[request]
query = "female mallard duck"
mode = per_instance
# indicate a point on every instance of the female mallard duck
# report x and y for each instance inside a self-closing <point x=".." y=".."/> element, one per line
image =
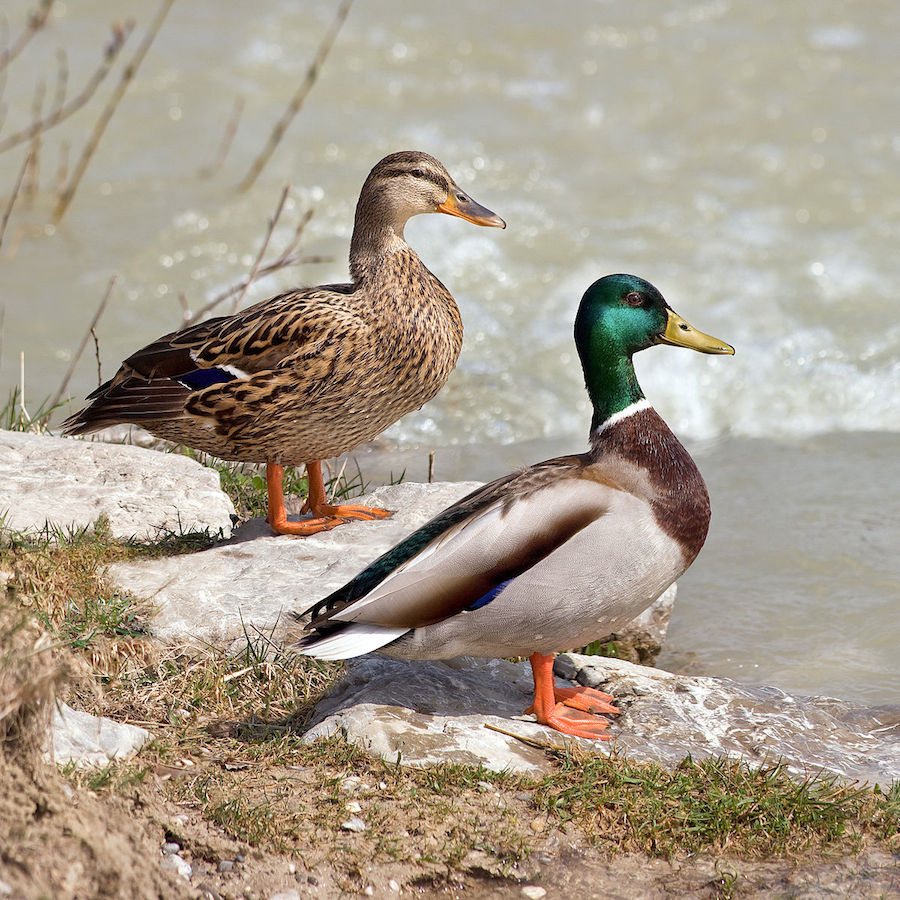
<point x="311" y="373"/>
<point x="554" y="556"/>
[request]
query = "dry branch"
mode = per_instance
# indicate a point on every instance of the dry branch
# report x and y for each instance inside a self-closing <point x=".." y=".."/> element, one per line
<point x="70" y="371"/>
<point x="65" y="198"/>
<point x="15" y="193"/>
<point x="312" y="74"/>
<point x="227" y="139"/>
<point x="63" y="111"/>
<point x="36" y="21"/>
<point x="288" y="257"/>
<point x="262" y="250"/>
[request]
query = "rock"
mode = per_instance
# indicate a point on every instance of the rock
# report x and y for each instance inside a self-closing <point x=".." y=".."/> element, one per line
<point x="170" y="847"/>
<point x="289" y="894"/>
<point x="142" y="493"/>
<point x="533" y="892"/>
<point x="177" y="864"/>
<point x="88" y="740"/>
<point x="424" y="713"/>
<point x="427" y="713"/>
<point x="225" y="865"/>
<point x="355" y="824"/>
<point x="256" y="578"/>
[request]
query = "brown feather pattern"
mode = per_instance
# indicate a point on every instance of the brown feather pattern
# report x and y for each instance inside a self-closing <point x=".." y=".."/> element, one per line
<point x="327" y="367"/>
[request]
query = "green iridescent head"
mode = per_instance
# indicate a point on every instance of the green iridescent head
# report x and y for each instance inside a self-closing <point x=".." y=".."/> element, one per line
<point x="618" y="316"/>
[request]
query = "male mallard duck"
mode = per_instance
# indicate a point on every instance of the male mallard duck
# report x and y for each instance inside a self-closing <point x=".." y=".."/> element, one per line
<point x="311" y="373"/>
<point x="558" y="554"/>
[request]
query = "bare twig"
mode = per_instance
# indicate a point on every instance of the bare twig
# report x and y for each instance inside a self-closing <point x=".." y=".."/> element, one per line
<point x="430" y="466"/>
<point x="336" y="482"/>
<point x="97" y="356"/>
<point x="62" y="80"/>
<point x="128" y="73"/>
<point x="36" y="22"/>
<point x="231" y="128"/>
<point x="287" y="258"/>
<point x="15" y="193"/>
<point x="62" y="111"/>
<point x="22" y="410"/>
<point x="262" y="250"/>
<point x="70" y="371"/>
<point x="312" y="74"/>
<point x="62" y="167"/>
<point x="32" y="175"/>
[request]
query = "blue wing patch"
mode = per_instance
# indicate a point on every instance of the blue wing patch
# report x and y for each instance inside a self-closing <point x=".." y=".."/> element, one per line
<point x="490" y="595"/>
<point x="203" y="378"/>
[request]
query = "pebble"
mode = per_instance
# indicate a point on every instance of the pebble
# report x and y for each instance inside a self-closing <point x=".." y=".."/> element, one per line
<point x="484" y="786"/>
<point x="533" y="892"/>
<point x="354" y="807"/>
<point x="225" y="865"/>
<point x="394" y="886"/>
<point x="170" y="847"/>
<point x="286" y="895"/>
<point x="175" y="863"/>
<point x="239" y="857"/>
<point x="355" y="824"/>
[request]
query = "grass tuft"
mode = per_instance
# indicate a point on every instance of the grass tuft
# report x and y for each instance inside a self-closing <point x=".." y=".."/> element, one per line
<point x="713" y="805"/>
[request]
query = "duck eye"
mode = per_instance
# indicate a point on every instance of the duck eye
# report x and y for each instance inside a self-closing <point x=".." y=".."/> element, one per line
<point x="417" y="173"/>
<point x="635" y="298"/>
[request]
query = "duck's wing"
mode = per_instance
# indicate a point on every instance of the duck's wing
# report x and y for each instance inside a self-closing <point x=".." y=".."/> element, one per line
<point x="462" y="558"/>
<point x="197" y="362"/>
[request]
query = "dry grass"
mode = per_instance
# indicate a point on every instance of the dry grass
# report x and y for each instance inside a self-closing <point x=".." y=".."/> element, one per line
<point x="30" y="672"/>
<point x="228" y="748"/>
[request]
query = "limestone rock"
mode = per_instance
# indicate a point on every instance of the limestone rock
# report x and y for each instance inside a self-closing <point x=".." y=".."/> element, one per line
<point x="87" y="740"/>
<point x="428" y="712"/>
<point x="256" y="578"/>
<point x="73" y="482"/>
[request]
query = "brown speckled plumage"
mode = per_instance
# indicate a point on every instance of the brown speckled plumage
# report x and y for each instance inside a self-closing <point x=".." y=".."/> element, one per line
<point x="319" y="369"/>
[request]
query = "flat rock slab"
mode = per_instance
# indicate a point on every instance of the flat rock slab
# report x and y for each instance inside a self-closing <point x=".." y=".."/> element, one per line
<point x="71" y="483"/>
<point x="87" y="740"/>
<point x="252" y="581"/>
<point x="431" y="712"/>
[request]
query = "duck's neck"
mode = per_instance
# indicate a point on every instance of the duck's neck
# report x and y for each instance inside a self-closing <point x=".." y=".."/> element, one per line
<point x="376" y="232"/>
<point x="613" y="388"/>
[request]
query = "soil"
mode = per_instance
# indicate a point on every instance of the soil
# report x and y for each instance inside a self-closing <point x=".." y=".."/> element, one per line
<point x="60" y="841"/>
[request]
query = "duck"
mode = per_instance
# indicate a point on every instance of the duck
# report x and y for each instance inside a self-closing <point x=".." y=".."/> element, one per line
<point x="553" y="556"/>
<point x="311" y="373"/>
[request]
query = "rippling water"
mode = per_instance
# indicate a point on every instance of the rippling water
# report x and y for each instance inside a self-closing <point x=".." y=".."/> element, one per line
<point x="743" y="156"/>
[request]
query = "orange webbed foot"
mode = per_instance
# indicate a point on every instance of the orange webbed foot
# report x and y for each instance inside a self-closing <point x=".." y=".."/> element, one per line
<point x="306" y="527"/>
<point x="586" y="699"/>
<point x="345" y="511"/>
<point x="592" y="727"/>
<point x="552" y="704"/>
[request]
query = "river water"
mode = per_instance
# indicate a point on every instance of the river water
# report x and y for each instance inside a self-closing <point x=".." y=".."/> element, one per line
<point x="744" y="156"/>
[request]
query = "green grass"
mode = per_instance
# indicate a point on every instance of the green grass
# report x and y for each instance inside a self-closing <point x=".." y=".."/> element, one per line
<point x="245" y="483"/>
<point x="713" y="805"/>
<point x="15" y="417"/>
<point x="59" y="575"/>
<point x="228" y="738"/>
